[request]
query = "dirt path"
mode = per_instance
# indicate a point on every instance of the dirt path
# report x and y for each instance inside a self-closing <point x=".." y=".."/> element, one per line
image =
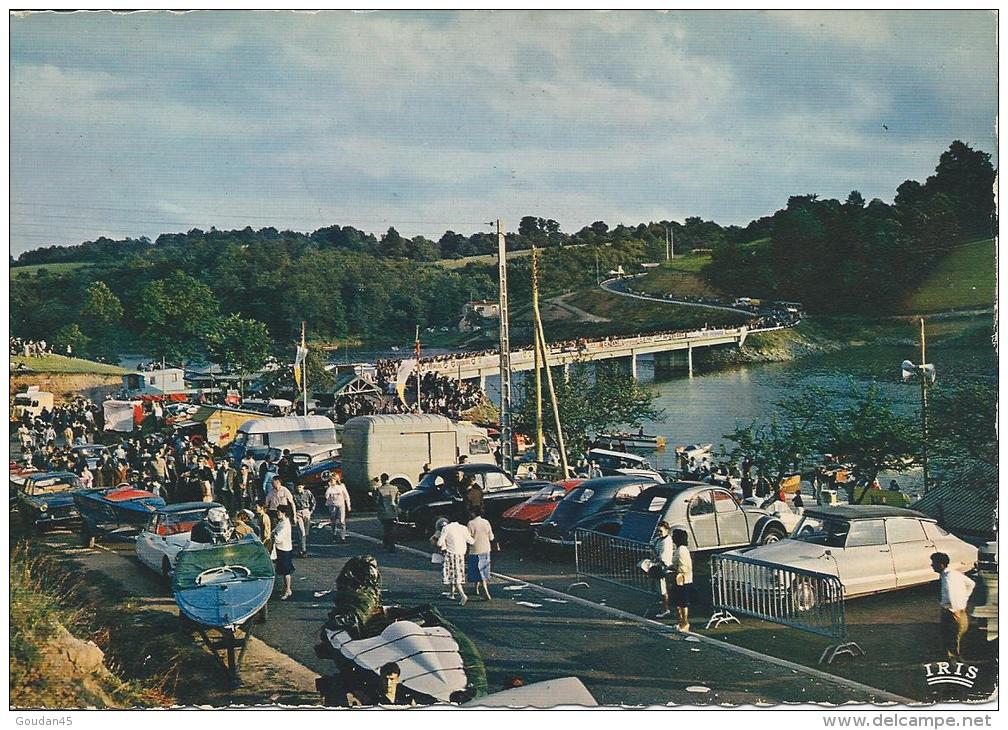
<point x="582" y="316"/>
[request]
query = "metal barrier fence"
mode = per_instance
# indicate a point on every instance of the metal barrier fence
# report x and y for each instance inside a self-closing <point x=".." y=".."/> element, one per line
<point x="795" y="597"/>
<point x="612" y="559"/>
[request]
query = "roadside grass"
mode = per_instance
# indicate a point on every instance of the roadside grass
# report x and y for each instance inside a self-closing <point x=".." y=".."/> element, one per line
<point x="43" y="596"/>
<point x="964" y="279"/>
<point x="668" y="280"/>
<point x="151" y="654"/>
<point x="58" y="268"/>
<point x="690" y="263"/>
<point x="63" y="364"/>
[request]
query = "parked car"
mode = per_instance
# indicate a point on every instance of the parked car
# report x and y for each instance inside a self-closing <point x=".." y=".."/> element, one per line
<point x="313" y="475"/>
<point x="595" y="504"/>
<point x="522" y="519"/>
<point x="712" y="517"/>
<point x="167" y="533"/>
<point x="437" y="494"/>
<point x="92" y="453"/>
<point x="870" y="548"/>
<point x="47" y="498"/>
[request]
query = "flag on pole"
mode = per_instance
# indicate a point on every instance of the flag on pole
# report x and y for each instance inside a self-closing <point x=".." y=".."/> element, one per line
<point x="406" y="368"/>
<point x="416" y="346"/>
<point x="299" y="358"/>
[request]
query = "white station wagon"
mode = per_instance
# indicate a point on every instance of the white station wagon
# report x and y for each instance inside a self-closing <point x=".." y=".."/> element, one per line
<point x="870" y="548"/>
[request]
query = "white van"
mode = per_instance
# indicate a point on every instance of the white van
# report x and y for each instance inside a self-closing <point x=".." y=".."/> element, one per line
<point x="257" y="436"/>
<point x="32" y="401"/>
<point x="400" y="445"/>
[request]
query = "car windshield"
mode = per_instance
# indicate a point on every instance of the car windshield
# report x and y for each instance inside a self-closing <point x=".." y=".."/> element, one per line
<point x="549" y="494"/>
<point x="177" y="523"/>
<point x="822" y="531"/>
<point x="581" y="495"/>
<point x="52" y="486"/>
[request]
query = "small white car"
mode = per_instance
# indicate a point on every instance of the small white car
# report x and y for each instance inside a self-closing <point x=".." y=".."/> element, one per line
<point x="870" y="548"/>
<point x="167" y="532"/>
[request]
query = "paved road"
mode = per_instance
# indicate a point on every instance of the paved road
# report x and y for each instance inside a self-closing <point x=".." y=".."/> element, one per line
<point x="618" y="286"/>
<point x="622" y="661"/>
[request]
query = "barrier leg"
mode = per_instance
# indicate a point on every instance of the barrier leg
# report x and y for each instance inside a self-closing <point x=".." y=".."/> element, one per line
<point x="850" y="648"/>
<point x="721" y="617"/>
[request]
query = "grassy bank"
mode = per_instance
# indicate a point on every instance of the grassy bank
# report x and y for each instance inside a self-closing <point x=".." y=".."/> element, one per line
<point x="63" y="365"/>
<point x="51" y="606"/>
<point x="964" y="279"/>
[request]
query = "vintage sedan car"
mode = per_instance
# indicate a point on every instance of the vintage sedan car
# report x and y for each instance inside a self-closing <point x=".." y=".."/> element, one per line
<point x="47" y="498"/>
<point x="712" y="517"/>
<point x="167" y="533"/>
<point x="522" y="519"/>
<point x="437" y="494"/>
<point x="596" y="504"/>
<point x="870" y="548"/>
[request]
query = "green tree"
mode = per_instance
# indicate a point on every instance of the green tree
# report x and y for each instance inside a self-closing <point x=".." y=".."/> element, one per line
<point x="588" y="404"/>
<point x="239" y="345"/>
<point x="867" y="432"/>
<point x="101" y="306"/>
<point x="963" y="425"/>
<point x="71" y="336"/>
<point x="787" y="442"/>
<point x="175" y="315"/>
<point x="101" y="320"/>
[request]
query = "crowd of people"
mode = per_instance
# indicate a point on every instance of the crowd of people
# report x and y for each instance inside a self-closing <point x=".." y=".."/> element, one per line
<point x="33" y="348"/>
<point x="767" y="315"/>
<point x="439" y="395"/>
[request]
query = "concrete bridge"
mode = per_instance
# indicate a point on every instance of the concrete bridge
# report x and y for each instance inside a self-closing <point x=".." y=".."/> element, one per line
<point x="465" y="367"/>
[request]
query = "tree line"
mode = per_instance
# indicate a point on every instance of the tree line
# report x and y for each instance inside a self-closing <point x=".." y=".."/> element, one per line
<point x="849" y="257"/>
<point x="168" y="297"/>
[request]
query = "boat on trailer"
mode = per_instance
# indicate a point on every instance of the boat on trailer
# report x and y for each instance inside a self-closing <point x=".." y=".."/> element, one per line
<point x="222" y="588"/>
<point x="119" y="510"/>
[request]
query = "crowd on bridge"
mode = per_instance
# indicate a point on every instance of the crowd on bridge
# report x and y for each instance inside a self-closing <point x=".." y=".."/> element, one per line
<point x="439" y="395"/>
<point x="767" y="314"/>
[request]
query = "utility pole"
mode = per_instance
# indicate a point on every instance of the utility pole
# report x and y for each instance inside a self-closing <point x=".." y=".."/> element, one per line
<point x="598" y="279"/>
<point x="924" y="407"/>
<point x="668" y="244"/>
<point x="538" y="355"/>
<point x="507" y="453"/>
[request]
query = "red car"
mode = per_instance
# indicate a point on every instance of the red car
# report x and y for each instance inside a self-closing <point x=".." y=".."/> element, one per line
<point x="523" y="518"/>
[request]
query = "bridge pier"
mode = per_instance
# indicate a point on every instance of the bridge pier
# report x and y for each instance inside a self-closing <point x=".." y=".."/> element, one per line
<point x="482" y="380"/>
<point x="689" y="358"/>
<point x="633" y="364"/>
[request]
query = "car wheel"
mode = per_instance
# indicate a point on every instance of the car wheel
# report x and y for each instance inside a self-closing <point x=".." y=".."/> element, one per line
<point x="771" y="534"/>
<point x="803" y="596"/>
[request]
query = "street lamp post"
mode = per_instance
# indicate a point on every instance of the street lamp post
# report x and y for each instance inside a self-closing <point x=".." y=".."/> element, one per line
<point x="925" y="372"/>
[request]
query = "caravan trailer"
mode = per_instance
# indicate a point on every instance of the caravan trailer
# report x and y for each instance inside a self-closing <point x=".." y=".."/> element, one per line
<point x="400" y="445"/>
<point x="258" y="436"/>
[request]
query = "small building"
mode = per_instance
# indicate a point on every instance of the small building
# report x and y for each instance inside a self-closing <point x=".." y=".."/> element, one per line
<point x="477" y="311"/>
<point x="155" y="382"/>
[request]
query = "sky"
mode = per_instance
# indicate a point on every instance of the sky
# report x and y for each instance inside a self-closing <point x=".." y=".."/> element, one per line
<point x="144" y="123"/>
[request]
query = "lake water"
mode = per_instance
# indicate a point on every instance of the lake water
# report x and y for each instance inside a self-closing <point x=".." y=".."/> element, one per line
<point x="712" y="403"/>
